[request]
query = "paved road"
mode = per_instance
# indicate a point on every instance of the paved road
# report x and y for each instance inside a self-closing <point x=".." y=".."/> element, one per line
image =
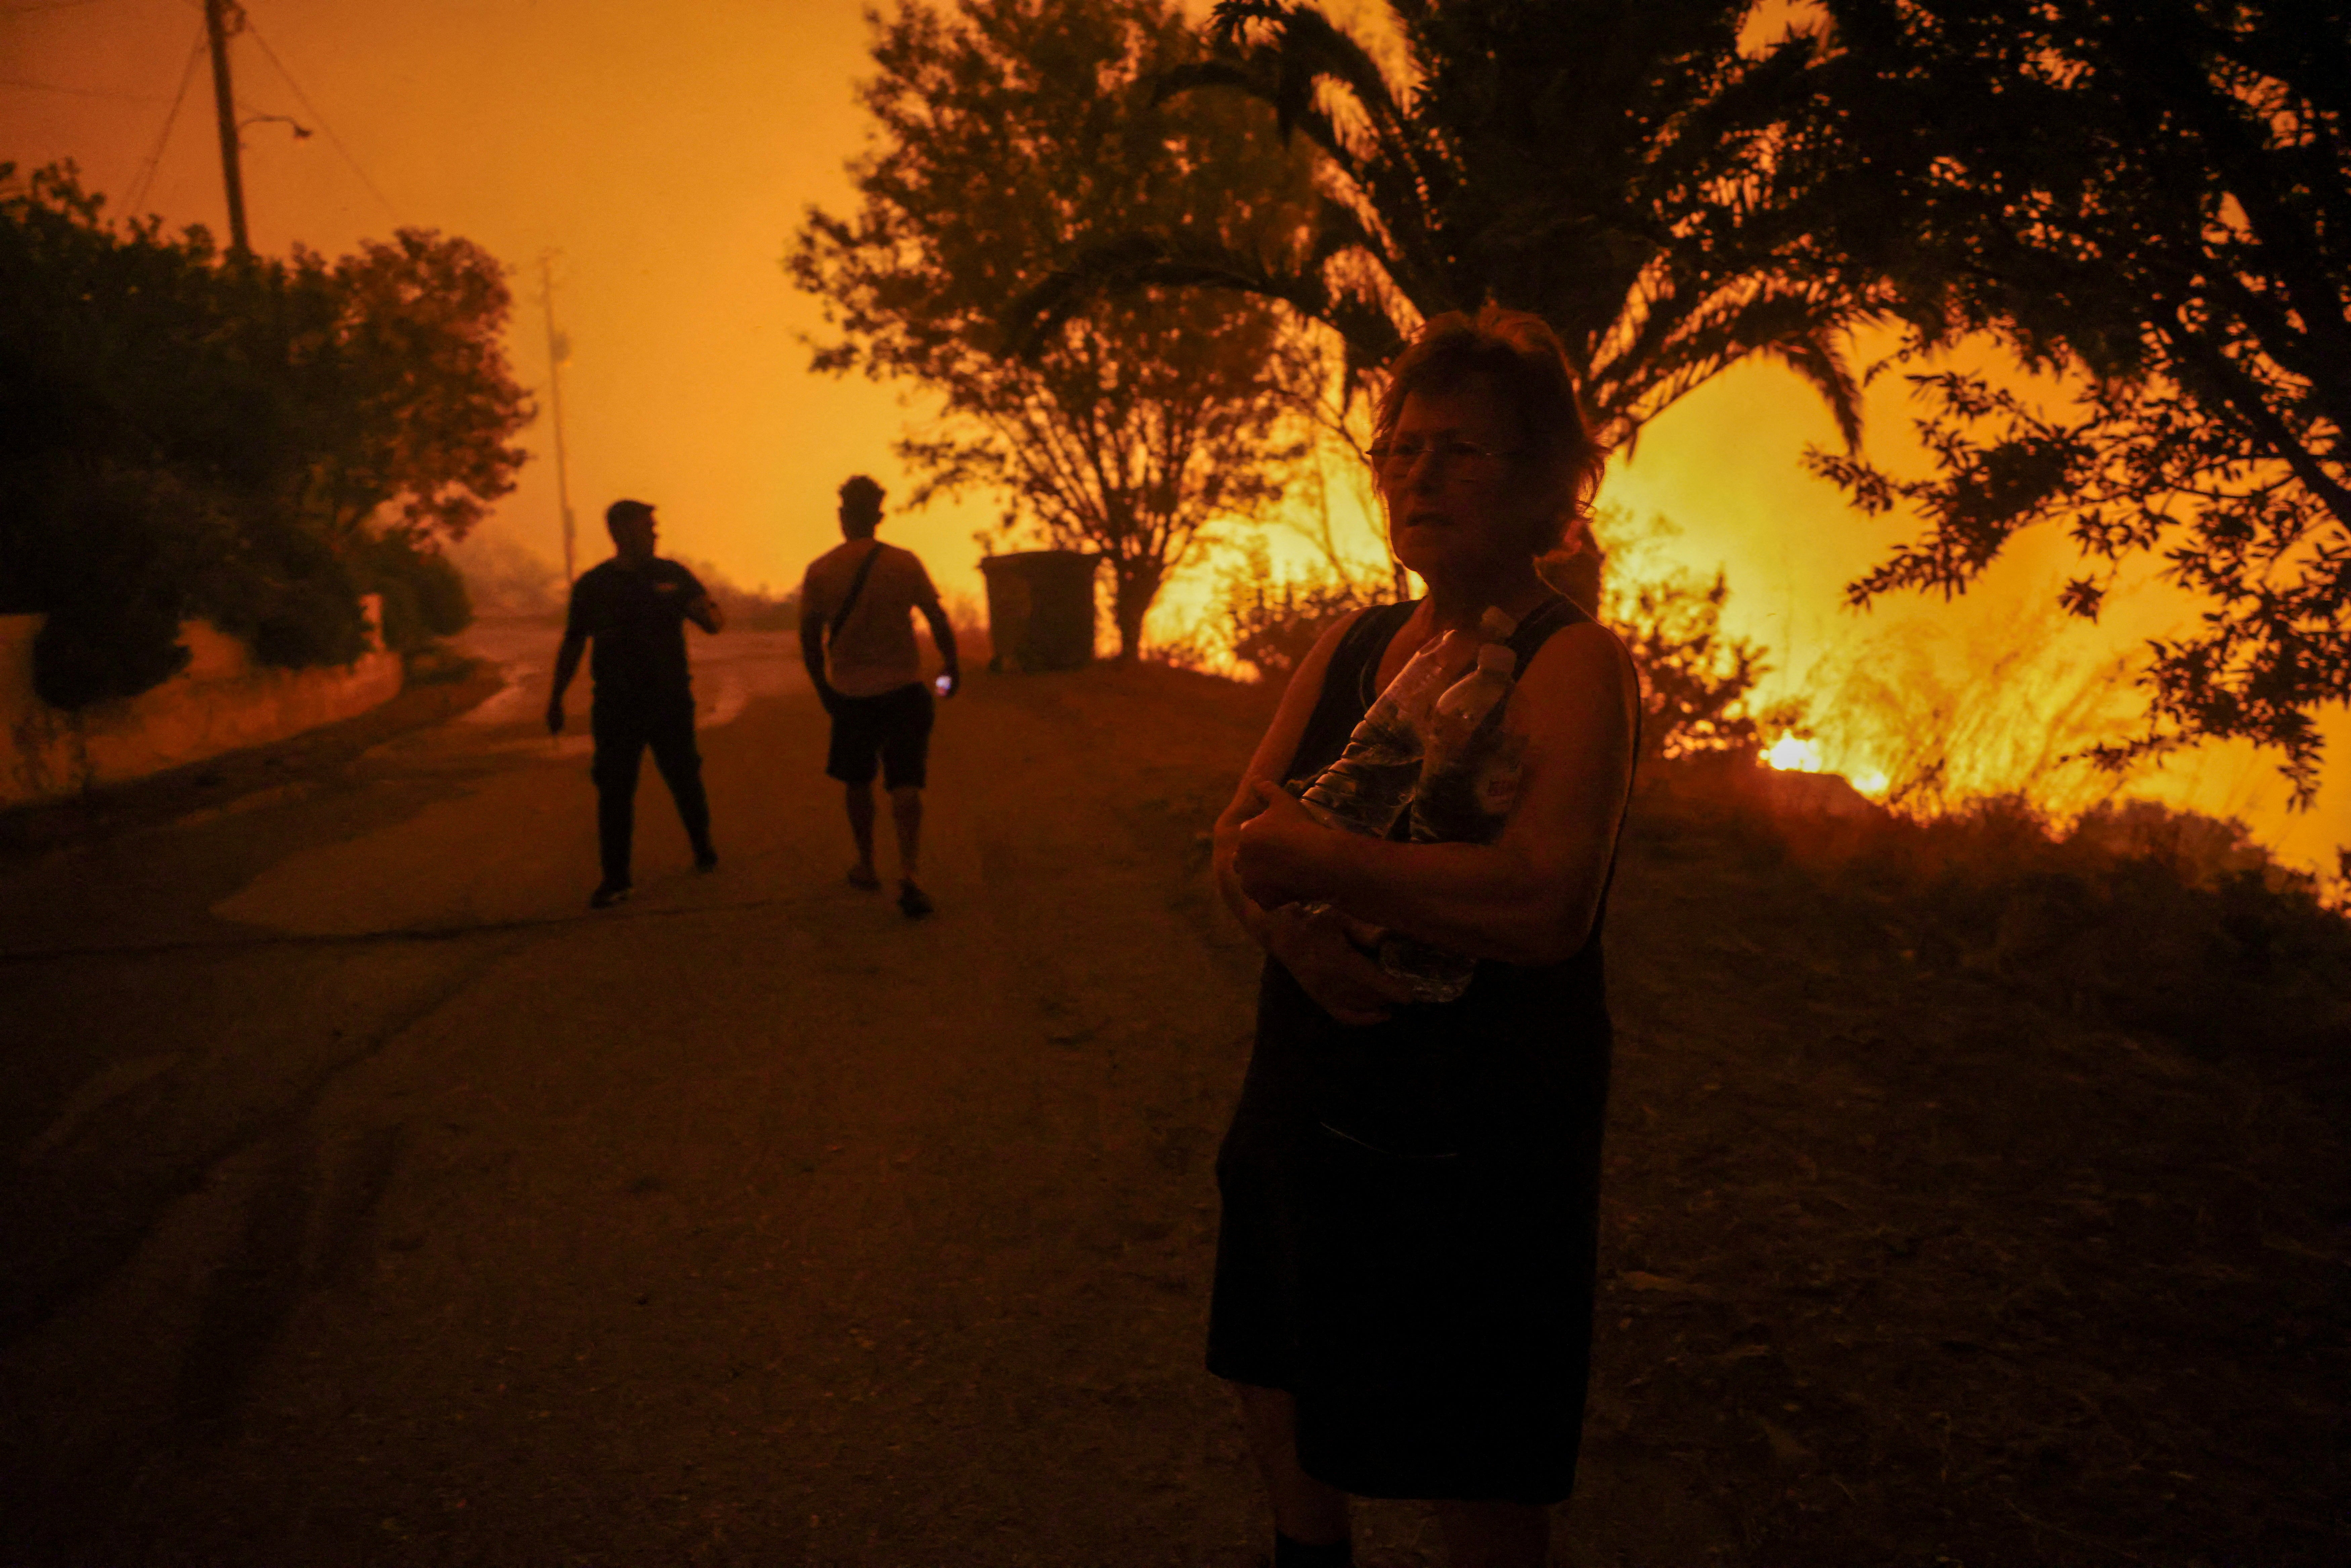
<point x="369" y="1199"/>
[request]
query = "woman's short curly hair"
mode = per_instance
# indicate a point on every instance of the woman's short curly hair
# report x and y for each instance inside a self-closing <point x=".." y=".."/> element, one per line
<point x="1520" y="357"/>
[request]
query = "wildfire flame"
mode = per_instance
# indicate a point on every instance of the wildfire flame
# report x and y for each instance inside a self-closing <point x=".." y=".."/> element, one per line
<point x="1796" y="754"/>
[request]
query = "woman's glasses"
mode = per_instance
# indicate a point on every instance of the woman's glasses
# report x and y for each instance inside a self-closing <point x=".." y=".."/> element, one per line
<point x="1451" y="453"/>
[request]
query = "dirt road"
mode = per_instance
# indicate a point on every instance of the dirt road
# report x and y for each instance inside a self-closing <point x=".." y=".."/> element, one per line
<point x="376" y="1202"/>
<point x="367" y="1199"/>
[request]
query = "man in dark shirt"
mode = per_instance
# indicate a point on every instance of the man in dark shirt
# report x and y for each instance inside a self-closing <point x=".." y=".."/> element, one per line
<point x="634" y="608"/>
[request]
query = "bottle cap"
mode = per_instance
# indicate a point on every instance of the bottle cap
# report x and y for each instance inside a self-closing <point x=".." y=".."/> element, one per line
<point x="1495" y="624"/>
<point x="1494" y="659"/>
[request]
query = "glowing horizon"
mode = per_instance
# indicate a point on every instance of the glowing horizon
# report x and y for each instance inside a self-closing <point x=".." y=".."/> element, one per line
<point x="669" y="166"/>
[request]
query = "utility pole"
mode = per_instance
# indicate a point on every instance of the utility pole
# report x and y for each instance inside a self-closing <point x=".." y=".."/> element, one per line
<point x="217" y="15"/>
<point x="559" y="351"/>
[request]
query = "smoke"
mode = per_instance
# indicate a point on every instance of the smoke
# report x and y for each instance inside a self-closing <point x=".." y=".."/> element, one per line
<point x="506" y="578"/>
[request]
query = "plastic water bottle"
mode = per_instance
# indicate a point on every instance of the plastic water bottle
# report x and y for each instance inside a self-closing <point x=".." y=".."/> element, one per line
<point x="1453" y="803"/>
<point x="1371" y="784"/>
<point x="1448" y="803"/>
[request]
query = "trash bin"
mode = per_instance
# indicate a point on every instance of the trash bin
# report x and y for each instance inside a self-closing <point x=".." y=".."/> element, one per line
<point x="1040" y="609"/>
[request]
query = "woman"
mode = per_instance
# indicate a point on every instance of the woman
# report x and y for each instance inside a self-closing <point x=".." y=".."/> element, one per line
<point x="1405" y="1264"/>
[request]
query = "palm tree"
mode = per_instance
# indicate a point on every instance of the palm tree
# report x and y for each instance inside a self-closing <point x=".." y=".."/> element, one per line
<point x="1618" y="167"/>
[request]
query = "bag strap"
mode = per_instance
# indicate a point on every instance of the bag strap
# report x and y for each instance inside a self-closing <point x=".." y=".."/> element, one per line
<point x="856" y="587"/>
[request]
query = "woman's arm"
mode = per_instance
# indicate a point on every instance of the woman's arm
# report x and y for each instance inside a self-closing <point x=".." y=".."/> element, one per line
<point x="1320" y="950"/>
<point x="1272" y="754"/>
<point x="1530" y="896"/>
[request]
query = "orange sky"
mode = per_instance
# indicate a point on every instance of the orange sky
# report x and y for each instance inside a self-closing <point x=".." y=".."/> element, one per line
<point x="668" y="153"/>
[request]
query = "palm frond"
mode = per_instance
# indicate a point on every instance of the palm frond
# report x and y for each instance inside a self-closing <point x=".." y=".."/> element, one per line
<point x="1140" y="260"/>
<point x="1678" y="334"/>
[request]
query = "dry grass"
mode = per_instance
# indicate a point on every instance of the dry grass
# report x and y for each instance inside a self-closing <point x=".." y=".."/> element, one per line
<point x="1975" y="1189"/>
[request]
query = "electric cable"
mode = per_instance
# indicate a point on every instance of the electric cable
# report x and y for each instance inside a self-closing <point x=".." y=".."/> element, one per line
<point x="324" y="128"/>
<point x="79" y="91"/>
<point x="144" y="180"/>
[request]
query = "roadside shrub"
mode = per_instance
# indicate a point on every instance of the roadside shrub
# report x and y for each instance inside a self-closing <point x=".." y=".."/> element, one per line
<point x="1272" y="624"/>
<point x="2166" y="924"/>
<point x="309" y="624"/>
<point x="505" y="577"/>
<point x="287" y="593"/>
<point x="425" y="596"/>
<point x="94" y="649"/>
<point x="124" y="549"/>
<point x="1697" y="682"/>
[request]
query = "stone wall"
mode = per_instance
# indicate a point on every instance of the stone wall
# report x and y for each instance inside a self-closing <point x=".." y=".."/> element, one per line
<point x="221" y="702"/>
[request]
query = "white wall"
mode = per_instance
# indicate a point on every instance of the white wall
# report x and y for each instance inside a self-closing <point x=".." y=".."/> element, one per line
<point x="221" y="702"/>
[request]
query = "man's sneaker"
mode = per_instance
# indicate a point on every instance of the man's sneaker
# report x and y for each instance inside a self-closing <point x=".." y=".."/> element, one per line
<point x="913" y="902"/>
<point x="862" y="878"/>
<point x="705" y="859"/>
<point x="607" y="894"/>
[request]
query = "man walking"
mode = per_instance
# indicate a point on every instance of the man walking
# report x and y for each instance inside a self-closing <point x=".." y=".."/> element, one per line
<point x="859" y="643"/>
<point x="634" y="607"/>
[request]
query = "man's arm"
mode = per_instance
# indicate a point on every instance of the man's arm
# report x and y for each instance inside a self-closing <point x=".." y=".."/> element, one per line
<point x="566" y="665"/>
<point x="813" y="615"/>
<point x="943" y="639"/>
<point x="700" y="608"/>
<point x="812" y="655"/>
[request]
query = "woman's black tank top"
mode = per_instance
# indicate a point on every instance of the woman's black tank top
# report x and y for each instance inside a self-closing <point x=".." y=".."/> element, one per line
<point x="1486" y="1072"/>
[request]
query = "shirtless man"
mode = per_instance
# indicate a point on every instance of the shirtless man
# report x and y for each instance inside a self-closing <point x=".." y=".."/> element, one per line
<point x="859" y="642"/>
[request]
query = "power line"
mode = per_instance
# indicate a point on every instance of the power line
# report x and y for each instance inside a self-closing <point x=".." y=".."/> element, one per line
<point x="144" y="180"/>
<point x="329" y="130"/>
<point x="77" y="92"/>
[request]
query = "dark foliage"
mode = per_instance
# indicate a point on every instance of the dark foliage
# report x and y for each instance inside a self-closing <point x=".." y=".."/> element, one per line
<point x="425" y="596"/>
<point x="1698" y="683"/>
<point x="1621" y="171"/>
<point x="102" y="648"/>
<point x="184" y="434"/>
<point x="2138" y="917"/>
<point x="1696" y="680"/>
<point x="2150" y="200"/>
<point x="1271" y="622"/>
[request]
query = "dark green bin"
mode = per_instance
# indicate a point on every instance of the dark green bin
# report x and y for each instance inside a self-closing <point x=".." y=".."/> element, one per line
<point x="1040" y="609"/>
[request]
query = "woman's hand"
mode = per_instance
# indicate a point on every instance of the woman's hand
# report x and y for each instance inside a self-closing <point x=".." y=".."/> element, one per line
<point x="1329" y="954"/>
<point x="1276" y="851"/>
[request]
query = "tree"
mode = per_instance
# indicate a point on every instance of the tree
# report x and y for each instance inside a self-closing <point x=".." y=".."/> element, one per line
<point x="255" y="440"/>
<point x="1619" y="169"/>
<point x="1008" y="129"/>
<point x="430" y="408"/>
<point x="2151" y="201"/>
<point x="1272" y="623"/>
<point x="1697" y="682"/>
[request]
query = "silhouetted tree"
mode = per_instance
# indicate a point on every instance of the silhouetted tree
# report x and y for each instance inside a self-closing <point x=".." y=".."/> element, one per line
<point x="255" y="440"/>
<point x="1008" y="131"/>
<point x="429" y="407"/>
<point x="2151" y="200"/>
<point x="1617" y="169"/>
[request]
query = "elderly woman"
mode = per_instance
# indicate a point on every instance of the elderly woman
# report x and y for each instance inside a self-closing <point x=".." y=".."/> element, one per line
<point x="1405" y="1264"/>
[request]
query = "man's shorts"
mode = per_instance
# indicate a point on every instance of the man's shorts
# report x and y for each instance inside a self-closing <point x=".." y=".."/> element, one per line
<point x="894" y="726"/>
